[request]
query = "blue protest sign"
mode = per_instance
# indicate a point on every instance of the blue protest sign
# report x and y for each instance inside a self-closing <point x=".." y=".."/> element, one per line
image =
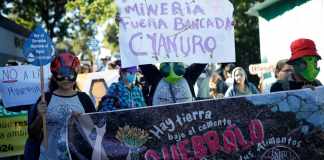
<point x="38" y="48"/>
<point x="93" y="44"/>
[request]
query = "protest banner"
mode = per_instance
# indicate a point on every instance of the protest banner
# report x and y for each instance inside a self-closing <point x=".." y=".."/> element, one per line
<point x="19" y="85"/>
<point x="96" y="83"/>
<point x="13" y="132"/>
<point x="283" y="125"/>
<point x="155" y="31"/>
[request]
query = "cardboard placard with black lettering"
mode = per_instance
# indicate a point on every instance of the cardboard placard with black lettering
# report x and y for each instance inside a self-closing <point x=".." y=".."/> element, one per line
<point x="285" y="125"/>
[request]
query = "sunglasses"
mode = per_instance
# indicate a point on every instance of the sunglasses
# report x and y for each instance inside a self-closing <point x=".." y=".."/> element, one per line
<point x="71" y="77"/>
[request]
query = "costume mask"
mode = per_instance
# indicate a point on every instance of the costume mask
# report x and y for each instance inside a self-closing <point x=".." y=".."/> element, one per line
<point x="65" y="73"/>
<point x="172" y="71"/>
<point x="307" y="67"/>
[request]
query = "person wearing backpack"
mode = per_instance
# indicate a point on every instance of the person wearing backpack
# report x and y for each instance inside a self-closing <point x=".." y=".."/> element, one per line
<point x="123" y="94"/>
<point x="61" y="102"/>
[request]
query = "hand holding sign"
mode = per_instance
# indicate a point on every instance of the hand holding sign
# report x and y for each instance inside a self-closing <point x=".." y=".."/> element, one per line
<point x="42" y="108"/>
<point x="39" y="50"/>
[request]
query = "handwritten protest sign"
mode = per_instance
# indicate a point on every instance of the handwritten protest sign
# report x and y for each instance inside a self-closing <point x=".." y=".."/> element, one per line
<point x="19" y="85"/>
<point x="154" y="31"/>
<point x="259" y="69"/>
<point x="13" y="132"/>
<point x="284" y="125"/>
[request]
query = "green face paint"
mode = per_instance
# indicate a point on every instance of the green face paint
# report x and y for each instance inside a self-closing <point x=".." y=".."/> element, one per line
<point x="172" y="71"/>
<point x="307" y="68"/>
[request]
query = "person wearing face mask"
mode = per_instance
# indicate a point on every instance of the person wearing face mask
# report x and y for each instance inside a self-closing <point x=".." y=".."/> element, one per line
<point x="173" y="83"/>
<point x="304" y="58"/>
<point x="123" y="94"/>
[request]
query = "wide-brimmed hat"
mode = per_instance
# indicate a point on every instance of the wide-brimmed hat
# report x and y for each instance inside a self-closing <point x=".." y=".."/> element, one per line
<point x="302" y="47"/>
<point x="132" y="69"/>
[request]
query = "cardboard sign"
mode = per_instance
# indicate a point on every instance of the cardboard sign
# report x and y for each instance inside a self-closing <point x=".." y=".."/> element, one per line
<point x="259" y="69"/>
<point x="286" y="125"/>
<point x="13" y="132"/>
<point x="155" y="31"/>
<point x="19" y="85"/>
<point x="38" y="48"/>
<point x="96" y="83"/>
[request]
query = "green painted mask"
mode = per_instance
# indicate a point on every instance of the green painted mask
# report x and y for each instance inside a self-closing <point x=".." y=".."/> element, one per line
<point x="172" y="71"/>
<point x="307" y="67"/>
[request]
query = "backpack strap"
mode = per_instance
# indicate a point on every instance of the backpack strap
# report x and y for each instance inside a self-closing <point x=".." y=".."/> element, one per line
<point x="86" y="102"/>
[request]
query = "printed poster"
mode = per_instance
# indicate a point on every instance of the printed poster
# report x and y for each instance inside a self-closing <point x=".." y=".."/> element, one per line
<point x="283" y="126"/>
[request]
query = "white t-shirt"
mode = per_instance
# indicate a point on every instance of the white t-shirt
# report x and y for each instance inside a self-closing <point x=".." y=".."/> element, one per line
<point x="58" y="112"/>
<point x="180" y="90"/>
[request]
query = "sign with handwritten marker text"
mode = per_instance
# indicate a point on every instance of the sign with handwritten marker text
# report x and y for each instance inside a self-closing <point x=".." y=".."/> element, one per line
<point x="19" y="85"/>
<point x="155" y="31"/>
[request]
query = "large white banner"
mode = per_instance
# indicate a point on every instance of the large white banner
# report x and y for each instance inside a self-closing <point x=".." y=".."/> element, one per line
<point x="20" y="85"/>
<point x="154" y="31"/>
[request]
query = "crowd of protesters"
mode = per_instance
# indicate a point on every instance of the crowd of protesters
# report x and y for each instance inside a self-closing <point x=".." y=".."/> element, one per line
<point x="148" y="85"/>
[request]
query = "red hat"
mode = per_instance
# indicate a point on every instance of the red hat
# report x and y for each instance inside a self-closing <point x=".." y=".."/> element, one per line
<point x="302" y="47"/>
<point x="65" y="60"/>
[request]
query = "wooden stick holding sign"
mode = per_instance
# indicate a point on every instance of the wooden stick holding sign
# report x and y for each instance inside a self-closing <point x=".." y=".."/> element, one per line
<point x="43" y="101"/>
<point x="39" y="50"/>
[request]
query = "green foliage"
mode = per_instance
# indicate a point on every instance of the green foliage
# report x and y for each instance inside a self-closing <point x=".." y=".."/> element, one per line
<point x="246" y="34"/>
<point x="88" y="14"/>
<point x="247" y="45"/>
<point x="29" y="13"/>
<point x="93" y="10"/>
<point x="111" y="37"/>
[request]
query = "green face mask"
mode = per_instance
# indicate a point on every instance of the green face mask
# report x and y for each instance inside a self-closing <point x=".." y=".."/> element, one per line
<point x="307" y="68"/>
<point x="172" y="71"/>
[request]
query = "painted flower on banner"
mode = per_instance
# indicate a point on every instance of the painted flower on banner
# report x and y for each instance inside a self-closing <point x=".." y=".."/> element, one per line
<point x="134" y="138"/>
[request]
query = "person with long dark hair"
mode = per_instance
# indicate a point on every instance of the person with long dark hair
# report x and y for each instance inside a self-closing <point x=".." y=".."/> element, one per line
<point x="61" y="102"/>
<point x="241" y="85"/>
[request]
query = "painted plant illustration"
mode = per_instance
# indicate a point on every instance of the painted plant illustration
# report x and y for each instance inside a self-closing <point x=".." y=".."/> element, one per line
<point x="134" y="138"/>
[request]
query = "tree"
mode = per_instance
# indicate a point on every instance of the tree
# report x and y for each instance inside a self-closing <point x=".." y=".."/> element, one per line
<point x="247" y="43"/>
<point x="88" y="14"/>
<point x="70" y="31"/>
<point x="29" y="13"/>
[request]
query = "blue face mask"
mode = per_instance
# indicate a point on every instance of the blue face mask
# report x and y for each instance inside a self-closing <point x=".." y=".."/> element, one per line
<point x="130" y="77"/>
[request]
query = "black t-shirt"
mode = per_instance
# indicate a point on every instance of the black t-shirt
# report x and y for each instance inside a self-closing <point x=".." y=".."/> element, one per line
<point x="292" y="85"/>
